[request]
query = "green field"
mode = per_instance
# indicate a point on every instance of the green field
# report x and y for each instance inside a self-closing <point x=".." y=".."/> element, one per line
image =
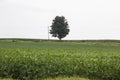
<point x="28" y="60"/>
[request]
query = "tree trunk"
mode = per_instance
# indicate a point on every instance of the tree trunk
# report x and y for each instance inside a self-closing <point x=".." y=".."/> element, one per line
<point x="60" y="39"/>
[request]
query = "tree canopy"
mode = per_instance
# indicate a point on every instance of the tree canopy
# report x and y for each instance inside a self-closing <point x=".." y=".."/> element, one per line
<point x="59" y="27"/>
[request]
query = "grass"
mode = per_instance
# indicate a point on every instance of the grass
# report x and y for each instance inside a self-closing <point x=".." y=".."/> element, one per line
<point x="67" y="78"/>
<point x="50" y="59"/>
<point x="6" y="79"/>
<point x="58" y="78"/>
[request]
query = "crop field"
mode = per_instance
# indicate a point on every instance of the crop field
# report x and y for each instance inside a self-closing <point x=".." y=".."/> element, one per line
<point x="38" y="60"/>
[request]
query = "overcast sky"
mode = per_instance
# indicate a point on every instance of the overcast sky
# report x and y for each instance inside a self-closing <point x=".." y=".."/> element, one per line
<point x="88" y="19"/>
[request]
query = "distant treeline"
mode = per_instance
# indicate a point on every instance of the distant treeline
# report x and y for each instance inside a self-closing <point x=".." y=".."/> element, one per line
<point x="38" y="40"/>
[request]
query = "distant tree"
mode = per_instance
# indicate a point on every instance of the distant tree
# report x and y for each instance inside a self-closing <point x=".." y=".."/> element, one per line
<point x="59" y="27"/>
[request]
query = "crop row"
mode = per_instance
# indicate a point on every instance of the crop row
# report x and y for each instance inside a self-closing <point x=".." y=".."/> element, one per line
<point x="43" y="63"/>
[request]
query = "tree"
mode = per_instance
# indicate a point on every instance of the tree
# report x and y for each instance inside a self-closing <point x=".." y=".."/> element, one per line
<point x="59" y="27"/>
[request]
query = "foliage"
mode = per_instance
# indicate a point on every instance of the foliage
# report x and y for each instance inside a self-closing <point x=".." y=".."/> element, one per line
<point x="31" y="60"/>
<point x="59" y="27"/>
<point x="67" y="78"/>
